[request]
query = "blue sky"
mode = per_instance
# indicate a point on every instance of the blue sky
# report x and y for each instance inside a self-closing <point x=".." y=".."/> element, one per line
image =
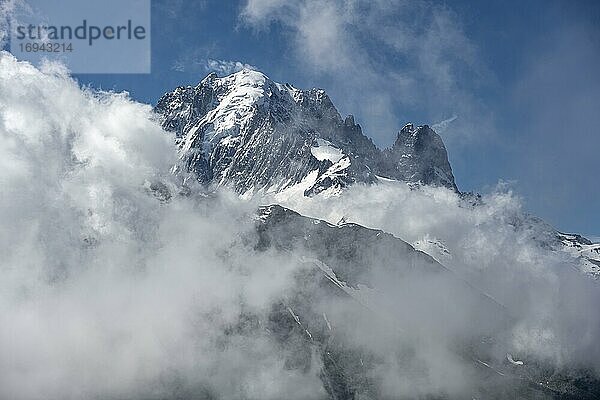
<point x="520" y="77"/>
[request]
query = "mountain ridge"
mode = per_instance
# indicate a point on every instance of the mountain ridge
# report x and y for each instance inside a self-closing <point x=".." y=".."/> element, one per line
<point x="253" y="133"/>
<point x="250" y="133"/>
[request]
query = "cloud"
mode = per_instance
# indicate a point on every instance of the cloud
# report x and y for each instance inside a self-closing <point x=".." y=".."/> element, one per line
<point x="441" y="126"/>
<point x="221" y="67"/>
<point x="495" y="247"/>
<point x="116" y="284"/>
<point x="107" y="291"/>
<point x="383" y="56"/>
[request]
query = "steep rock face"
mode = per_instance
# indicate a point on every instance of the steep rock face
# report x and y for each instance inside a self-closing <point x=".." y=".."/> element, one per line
<point x="419" y="155"/>
<point x="251" y="133"/>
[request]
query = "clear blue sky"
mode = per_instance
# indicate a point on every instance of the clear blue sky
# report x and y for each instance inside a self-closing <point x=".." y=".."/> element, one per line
<point x="520" y="76"/>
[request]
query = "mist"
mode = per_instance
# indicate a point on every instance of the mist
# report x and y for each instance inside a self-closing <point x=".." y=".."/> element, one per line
<point x="120" y="282"/>
<point x="496" y="248"/>
<point x="108" y="290"/>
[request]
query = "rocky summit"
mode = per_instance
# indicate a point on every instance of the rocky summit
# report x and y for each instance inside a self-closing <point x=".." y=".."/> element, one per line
<point x="249" y="132"/>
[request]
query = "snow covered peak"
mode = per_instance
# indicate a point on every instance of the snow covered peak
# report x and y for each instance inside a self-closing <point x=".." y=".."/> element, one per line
<point x="243" y="75"/>
<point x="252" y="133"/>
<point x="244" y="78"/>
<point x="408" y="128"/>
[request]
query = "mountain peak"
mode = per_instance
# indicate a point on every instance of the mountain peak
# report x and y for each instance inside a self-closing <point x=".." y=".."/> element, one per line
<point x="408" y="128"/>
<point x="209" y="78"/>
<point x="247" y="131"/>
<point x="248" y="76"/>
<point x="419" y="155"/>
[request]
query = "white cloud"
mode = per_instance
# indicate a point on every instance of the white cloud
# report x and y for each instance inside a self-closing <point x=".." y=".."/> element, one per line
<point x="107" y="292"/>
<point x="383" y="56"/>
<point x="441" y="126"/>
<point x="221" y="67"/>
<point x="494" y="248"/>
